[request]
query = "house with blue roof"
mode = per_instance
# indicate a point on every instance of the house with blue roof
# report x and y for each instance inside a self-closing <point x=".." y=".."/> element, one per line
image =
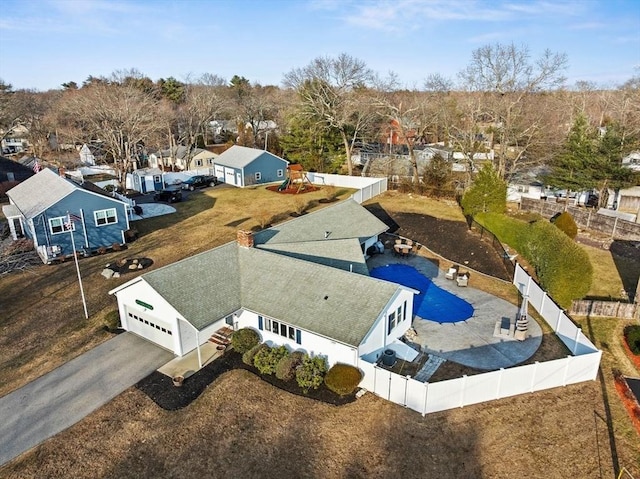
<point x="242" y="166"/>
<point x="49" y="209"/>
<point x="303" y="284"/>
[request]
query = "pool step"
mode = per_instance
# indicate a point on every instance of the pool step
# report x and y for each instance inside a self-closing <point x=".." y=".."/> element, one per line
<point x="430" y="367"/>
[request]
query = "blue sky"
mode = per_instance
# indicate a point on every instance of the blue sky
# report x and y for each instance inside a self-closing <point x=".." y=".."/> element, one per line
<point x="44" y="43"/>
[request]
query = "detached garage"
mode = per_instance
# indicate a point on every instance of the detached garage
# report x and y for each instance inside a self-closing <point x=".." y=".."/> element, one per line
<point x="242" y="166"/>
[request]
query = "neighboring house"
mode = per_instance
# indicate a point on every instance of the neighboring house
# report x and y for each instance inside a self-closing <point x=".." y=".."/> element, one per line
<point x="242" y="166"/>
<point x="178" y="158"/>
<point x="13" y="172"/>
<point x="303" y="284"/>
<point x="86" y="156"/>
<point x="526" y="184"/>
<point x="39" y="209"/>
<point x="629" y="201"/>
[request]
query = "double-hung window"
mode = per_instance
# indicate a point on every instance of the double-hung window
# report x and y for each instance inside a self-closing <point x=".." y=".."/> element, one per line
<point x="105" y="217"/>
<point x="59" y="225"/>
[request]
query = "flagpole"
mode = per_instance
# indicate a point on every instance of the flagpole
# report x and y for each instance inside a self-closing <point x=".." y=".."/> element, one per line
<point x="75" y="257"/>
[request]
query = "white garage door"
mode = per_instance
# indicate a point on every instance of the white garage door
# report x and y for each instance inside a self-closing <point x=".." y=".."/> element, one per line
<point x="229" y="176"/>
<point x="219" y="172"/>
<point x="150" y="327"/>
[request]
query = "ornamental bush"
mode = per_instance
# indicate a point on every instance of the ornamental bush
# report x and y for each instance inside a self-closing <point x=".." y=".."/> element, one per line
<point x="112" y="320"/>
<point x="310" y="374"/>
<point x="566" y="224"/>
<point x="266" y="359"/>
<point x="632" y="337"/>
<point x="343" y="379"/>
<point x="286" y="368"/>
<point x="248" y="356"/>
<point x="244" y="339"/>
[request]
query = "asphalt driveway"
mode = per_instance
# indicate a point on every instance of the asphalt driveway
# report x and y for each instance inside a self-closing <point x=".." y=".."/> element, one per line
<point x="57" y="400"/>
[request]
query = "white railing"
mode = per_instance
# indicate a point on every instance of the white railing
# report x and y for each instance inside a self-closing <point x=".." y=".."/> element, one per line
<point x="367" y="187"/>
<point x="432" y="397"/>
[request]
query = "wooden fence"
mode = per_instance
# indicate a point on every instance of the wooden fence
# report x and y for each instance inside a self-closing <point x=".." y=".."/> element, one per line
<point x="605" y="309"/>
<point x="587" y="218"/>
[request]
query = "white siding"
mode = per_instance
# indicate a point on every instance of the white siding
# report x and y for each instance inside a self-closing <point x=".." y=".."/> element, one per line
<point x="311" y="343"/>
<point x="377" y="338"/>
<point x="162" y="310"/>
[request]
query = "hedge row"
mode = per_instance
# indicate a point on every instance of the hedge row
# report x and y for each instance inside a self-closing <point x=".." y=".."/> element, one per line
<point x="562" y="267"/>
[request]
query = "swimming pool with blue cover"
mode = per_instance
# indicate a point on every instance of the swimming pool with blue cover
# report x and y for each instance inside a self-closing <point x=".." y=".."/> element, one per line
<point x="432" y="303"/>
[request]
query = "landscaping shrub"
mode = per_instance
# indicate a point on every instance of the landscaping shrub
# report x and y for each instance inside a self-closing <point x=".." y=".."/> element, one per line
<point x="310" y="373"/>
<point x="244" y="339"/>
<point x="632" y="337"/>
<point x="566" y="224"/>
<point x="286" y="368"/>
<point x="343" y="379"/>
<point x="562" y="267"/>
<point x="112" y="320"/>
<point x="266" y="359"/>
<point x="248" y="356"/>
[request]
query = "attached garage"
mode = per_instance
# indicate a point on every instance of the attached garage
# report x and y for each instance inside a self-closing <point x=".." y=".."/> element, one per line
<point x="150" y="327"/>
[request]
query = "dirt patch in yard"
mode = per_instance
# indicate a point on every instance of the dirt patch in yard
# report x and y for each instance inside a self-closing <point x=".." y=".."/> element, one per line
<point x="451" y="239"/>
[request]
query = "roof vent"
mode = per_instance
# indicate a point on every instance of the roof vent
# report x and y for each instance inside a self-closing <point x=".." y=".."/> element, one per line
<point x="326" y="297"/>
<point x="326" y="234"/>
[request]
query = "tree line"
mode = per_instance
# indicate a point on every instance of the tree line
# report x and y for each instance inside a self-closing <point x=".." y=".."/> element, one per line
<point x="504" y="100"/>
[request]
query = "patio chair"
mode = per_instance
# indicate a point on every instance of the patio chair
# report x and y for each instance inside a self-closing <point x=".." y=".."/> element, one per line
<point x="462" y="280"/>
<point x="398" y="241"/>
<point x="409" y="242"/>
<point x="452" y="273"/>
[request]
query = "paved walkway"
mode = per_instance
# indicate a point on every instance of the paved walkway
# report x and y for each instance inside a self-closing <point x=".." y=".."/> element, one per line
<point x="471" y="342"/>
<point x="59" y="399"/>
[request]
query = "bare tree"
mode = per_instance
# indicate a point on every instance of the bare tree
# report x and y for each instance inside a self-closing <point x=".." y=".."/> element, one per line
<point x="122" y="117"/>
<point x="408" y="118"/>
<point x="333" y="91"/>
<point x="507" y="76"/>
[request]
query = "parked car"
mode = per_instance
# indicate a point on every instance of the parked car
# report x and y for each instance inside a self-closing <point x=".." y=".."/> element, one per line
<point x="171" y="195"/>
<point x="199" y="181"/>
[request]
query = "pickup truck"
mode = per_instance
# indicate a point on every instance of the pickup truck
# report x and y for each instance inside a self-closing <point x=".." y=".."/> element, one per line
<point x="199" y="181"/>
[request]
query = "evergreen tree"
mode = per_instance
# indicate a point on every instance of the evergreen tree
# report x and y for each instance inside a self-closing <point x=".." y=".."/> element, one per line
<point x="487" y="194"/>
<point x="572" y="167"/>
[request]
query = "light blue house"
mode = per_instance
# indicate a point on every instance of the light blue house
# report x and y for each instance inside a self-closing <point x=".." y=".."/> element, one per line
<point x="242" y="166"/>
<point x="50" y="209"/>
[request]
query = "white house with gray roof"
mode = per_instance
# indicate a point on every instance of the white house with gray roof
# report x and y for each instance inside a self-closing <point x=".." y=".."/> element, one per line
<point x="293" y="283"/>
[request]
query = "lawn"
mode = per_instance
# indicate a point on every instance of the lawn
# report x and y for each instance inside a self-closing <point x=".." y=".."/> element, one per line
<point x="42" y="319"/>
<point x="242" y="427"/>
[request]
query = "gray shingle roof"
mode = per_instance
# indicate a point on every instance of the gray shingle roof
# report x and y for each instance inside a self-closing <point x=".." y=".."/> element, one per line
<point x="239" y="156"/>
<point x="39" y="192"/>
<point x="306" y="284"/>
<point x="345" y="220"/>
<point x="43" y="190"/>
<point x="204" y="287"/>
<point x="342" y="254"/>
<point x="327" y="301"/>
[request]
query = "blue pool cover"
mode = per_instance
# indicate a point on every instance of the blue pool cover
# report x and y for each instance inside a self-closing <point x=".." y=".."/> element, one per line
<point x="433" y="303"/>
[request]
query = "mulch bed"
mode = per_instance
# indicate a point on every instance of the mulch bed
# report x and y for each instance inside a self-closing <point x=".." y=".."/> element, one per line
<point x="451" y="239"/>
<point x="294" y="189"/>
<point x="161" y="390"/>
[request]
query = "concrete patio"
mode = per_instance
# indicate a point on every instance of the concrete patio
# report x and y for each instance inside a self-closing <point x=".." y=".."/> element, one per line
<point x="471" y="342"/>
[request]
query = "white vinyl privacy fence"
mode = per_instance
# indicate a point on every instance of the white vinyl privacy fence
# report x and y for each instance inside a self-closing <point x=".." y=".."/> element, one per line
<point x="367" y="187"/>
<point x="432" y="397"/>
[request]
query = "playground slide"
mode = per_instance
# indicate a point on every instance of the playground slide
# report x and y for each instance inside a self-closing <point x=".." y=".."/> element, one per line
<point x="284" y="185"/>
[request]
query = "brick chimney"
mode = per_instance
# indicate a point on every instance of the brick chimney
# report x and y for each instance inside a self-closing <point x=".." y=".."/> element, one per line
<point x="245" y="238"/>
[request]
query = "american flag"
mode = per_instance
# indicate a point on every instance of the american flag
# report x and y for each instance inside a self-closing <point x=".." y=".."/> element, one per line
<point x="36" y="167"/>
<point x="71" y="218"/>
